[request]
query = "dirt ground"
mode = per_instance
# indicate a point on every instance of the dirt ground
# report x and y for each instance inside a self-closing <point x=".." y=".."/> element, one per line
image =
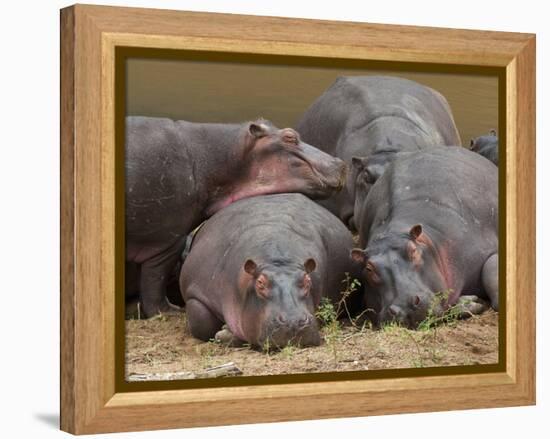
<point x="163" y="345"/>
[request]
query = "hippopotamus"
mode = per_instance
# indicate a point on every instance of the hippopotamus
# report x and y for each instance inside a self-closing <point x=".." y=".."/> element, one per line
<point x="487" y="146"/>
<point x="261" y="266"/>
<point x="428" y="230"/>
<point x="179" y="173"/>
<point x="362" y="116"/>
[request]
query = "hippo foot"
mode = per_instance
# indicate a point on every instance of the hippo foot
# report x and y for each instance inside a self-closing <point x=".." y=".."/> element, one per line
<point x="226" y="337"/>
<point x="471" y="305"/>
<point x="165" y="308"/>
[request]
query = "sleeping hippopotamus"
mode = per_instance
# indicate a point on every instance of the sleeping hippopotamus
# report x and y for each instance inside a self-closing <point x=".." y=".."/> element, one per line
<point x="261" y="266"/>
<point x="429" y="229"/>
<point x="361" y="116"/>
<point x="487" y="146"/>
<point x="179" y="173"/>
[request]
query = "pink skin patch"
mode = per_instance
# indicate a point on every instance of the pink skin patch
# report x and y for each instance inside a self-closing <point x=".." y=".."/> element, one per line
<point x="245" y="193"/>
<point x="443" y="264"/>
<point x="232" y="312"/>
<point x="235" y="325"/>
<point x="272" y="175"/>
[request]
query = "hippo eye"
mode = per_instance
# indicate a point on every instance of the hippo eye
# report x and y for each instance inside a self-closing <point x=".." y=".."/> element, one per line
<point x="306" y="285"/>
<point x="372" y="275"/>
<point x="414" y="254"/>
<point x="261" y="287"/>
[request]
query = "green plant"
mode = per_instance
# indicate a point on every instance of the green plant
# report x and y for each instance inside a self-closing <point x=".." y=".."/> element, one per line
<point x="350" y="287"/>
<point x="332" y="331"/>
<point x="391" y="326"/>
<point x="326" y="312"/>
<point x="266" y="346"/>
<point x="288" y="351"/>
<point x="435" y="317"/>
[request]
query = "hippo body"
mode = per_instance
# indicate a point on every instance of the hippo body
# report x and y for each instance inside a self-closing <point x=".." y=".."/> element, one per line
<point x="179" y="173"/>
<point x="261" y="266"/>
<point x="365" y="116"/>
<point x="429" y="229"/>
<point x="487" y="146"/>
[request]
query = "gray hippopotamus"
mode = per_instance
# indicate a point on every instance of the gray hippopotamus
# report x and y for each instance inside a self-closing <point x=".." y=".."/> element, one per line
<point x="261" y="266"/>
<point x="487" y="146"/>
<point x="362" y="116"/>
<point x="429" y="229"/>
<point x="179" y="173"/>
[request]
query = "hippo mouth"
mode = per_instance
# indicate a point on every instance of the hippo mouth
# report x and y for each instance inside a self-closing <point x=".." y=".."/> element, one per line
<point x="279" y="338"/>
<point x="328" y="186"/>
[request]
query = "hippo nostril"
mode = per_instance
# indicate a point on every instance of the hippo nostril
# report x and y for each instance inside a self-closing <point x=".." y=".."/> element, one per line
<point x="305" y="320"/>
<point x="393" y="310"/>
<point x="281" y="319"/>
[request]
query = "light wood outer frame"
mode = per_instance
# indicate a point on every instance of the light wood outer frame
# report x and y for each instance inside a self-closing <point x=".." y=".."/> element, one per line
<point x="89" y="35"/>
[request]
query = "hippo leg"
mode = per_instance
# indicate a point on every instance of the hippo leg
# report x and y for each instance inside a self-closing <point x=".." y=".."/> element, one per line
<point x="226" y="337"/>
<point x="471" y="305"/>
<point x="155" y="273"/>
<point x="202" y="323"/>
<point x="489" y="279"/>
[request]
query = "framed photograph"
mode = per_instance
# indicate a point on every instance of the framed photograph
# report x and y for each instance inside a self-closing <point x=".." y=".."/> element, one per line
<point x="268" y="219"/>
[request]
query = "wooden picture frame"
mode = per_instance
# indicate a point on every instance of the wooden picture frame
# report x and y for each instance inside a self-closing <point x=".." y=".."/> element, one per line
<point x="91" y="402"/>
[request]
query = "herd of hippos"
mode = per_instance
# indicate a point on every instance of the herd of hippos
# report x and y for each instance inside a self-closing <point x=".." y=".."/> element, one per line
<point x="380" y="155"/>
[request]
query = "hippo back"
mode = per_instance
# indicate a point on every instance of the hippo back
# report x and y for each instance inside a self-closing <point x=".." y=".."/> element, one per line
<point x="361" y="103"/>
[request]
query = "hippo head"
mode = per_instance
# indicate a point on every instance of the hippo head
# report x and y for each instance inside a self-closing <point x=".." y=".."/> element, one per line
<point x="277" y="161"/>
<point x="481" y="142"/>
<point x="404" y="275"/>
<point x="279" y="305"/>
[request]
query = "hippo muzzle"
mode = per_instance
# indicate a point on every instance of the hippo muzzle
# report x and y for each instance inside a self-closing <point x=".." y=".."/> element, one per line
<point x="301" y="331"/>
<point x="338" y="176"/>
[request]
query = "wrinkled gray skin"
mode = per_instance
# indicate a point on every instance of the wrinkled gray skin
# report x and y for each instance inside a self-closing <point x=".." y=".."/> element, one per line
<point x="261" y="266"/>
<point x="179" y="173"/>
<point x="429" y="225"/>
<point x="364" y="116"/>
<point x="487" y="146"/>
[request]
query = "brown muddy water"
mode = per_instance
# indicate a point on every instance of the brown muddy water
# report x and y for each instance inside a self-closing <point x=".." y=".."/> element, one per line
<point x="200" y="91"/>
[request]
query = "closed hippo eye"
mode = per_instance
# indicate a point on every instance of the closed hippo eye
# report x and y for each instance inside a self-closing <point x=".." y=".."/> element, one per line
<point x="306" y="285"/>
<point x="261" y="287"/>
<point x="414" y="254"/>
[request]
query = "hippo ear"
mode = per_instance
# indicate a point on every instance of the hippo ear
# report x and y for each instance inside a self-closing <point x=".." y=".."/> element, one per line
<point x="258" y="130"/>
<point x="415" y="232"/>
<point x="359" y="255"/>
<point x="493" y="132"/>
<point x="310" y="265"/>
<point x="472" y="143"/>
<point x="250" y="267"/>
